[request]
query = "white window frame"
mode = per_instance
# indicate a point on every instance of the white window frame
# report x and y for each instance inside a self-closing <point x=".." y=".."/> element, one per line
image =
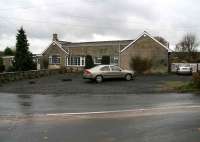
<point x="51" y="60"/>
<point x="81" y="61"/>
<point x="114" y="59"/>
<point x="95" y="61"/>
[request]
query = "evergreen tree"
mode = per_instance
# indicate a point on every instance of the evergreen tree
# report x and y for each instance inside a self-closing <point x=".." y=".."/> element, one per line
<point x="89" y="62"/>
<point x="105" y="60"/>
<point x="8" y="52"/>
<point x="2" y="67"/>
<point x="23" y="60"/>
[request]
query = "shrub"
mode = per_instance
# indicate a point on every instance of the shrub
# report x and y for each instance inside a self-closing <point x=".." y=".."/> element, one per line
<point x="196" y="79"/>
<point x="45" y="63"/>
<point x="105" y="60"/>
<point x="140" y="65"/>
<point x="8" y="52"/>
<point x="2" y="67"/>
<point x="10" y="69"/>
<point x="89" y="62"/>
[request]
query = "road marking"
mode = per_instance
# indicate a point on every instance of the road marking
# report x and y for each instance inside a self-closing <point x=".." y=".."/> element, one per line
<point x="115" y="113"/>
<point x="123" y="111"/>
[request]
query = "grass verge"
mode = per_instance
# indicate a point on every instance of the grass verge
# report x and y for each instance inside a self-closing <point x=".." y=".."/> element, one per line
<point x="180" y="87"/>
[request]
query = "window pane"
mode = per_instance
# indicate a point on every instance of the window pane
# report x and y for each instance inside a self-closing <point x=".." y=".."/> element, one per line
<point x="97" y="60"/>
<point x="114" y="60"/>
<point x="105" y="68"/>
<point x="115" y="68"/>
<point x="50" y="60"/>
<point x="55" y="59"/>
<point x="75" y="61"/>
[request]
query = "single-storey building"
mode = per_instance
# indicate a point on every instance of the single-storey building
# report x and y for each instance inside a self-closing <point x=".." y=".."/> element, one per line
<point x="8" y="61"/>
<point x="64" y="54"/>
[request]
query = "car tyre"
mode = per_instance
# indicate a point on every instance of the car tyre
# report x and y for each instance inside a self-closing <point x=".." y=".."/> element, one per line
<point x="128" y="77"/>
<point x="99" y="79"/>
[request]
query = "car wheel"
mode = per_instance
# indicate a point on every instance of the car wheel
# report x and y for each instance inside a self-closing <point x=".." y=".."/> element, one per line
<point x="128" y="77"/>
<point x="99" y="79"/>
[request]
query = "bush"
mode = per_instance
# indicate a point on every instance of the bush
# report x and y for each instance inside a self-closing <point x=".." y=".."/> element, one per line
<point x="2" y="68"/>
<point x="196" y="79"/>
<point x="10" y="69"/>
<point x="45" y="63"/>
<point x="8" y="52"/>
<point x="140" y="65"/>
<point x="105" y="60"/>
<point x="89" y="62"/>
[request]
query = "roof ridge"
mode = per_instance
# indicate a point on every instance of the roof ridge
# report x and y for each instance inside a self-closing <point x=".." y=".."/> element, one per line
<point x="96" y="41"/>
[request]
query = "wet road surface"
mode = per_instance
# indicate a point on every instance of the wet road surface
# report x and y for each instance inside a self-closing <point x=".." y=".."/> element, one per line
<point x="181" y="126"/>
<point x="148" y="117"/>
<point x="23" y="104"/>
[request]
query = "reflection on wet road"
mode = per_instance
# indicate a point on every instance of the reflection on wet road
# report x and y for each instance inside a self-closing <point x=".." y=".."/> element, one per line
<point x="20" y="104"/>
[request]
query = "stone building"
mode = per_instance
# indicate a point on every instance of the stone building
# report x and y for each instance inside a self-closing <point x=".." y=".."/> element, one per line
<point x="8" y="61"/>
<point x="63" y="54"/>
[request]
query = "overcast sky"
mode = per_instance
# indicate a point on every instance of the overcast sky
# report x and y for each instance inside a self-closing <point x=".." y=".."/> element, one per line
<point x="90" y="20"/>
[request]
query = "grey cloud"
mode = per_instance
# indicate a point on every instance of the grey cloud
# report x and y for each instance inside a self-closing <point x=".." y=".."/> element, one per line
<point x="82" y="19"/>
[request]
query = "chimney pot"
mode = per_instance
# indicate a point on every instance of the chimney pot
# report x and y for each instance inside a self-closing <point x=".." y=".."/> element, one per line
<point x="55" y="37"/>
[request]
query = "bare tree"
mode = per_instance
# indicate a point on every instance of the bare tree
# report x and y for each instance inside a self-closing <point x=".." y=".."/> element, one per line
<point x="188" y="44"/>
<point x="162" y="40"/>
<point x="186" y="49"/>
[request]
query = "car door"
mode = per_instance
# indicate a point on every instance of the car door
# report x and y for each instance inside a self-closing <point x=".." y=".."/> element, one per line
<point x="105" y="71"/>
<point x="115" y="72"/>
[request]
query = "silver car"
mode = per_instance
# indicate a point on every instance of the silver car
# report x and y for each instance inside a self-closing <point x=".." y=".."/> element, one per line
<point x="101" y="72"/>
<point x="184" y="70"/>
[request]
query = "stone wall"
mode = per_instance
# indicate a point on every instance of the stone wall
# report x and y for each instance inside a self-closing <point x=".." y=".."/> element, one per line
<point x="15" y="76"/>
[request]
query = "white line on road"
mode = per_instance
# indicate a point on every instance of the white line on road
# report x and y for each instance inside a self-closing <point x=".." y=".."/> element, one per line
<point x="111" y="114"/>
<point x="129" y="110"/>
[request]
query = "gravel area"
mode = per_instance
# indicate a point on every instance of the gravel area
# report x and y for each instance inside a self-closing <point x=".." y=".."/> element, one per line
<point x="74" y="84"/>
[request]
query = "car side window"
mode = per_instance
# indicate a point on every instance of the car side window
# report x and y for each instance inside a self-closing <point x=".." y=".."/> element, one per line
<point x="115" y="68"/>
<point x="105" y="68"/>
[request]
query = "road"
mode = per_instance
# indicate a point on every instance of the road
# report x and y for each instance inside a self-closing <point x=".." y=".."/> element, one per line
<point x="100" y="118"/>
<point x="25" y="104"/>
<point x="181" y="125"/>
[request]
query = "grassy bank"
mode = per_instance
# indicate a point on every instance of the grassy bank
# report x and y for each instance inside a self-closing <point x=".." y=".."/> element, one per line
<point x="181" y="87"/>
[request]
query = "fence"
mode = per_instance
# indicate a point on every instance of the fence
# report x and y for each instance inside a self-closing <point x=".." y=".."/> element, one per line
<point x="14" y="76"/>
<point x="195" y="66"/>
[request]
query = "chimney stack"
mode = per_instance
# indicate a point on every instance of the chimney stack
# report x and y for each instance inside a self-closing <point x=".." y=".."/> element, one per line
<point x="55" y="37"/>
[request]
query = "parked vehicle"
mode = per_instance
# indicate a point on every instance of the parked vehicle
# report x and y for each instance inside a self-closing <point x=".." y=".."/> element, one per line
<point x="184" y="70"/>
<point x="101" y="72"/>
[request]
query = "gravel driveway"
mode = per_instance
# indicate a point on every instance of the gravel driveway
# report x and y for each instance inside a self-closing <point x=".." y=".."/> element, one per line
<point x="74" y="84"/>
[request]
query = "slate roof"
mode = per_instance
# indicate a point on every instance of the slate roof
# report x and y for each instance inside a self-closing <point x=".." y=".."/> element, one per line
<point x="117" y="43"/>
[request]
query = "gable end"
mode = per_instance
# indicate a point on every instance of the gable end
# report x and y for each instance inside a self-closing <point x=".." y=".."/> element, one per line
<point x="145" y="34"/>
<point x="55" y="43"/>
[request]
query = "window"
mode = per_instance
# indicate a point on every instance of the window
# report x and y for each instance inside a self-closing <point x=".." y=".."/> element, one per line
<point x="97" y="60"/>
<point x="106" y="68"/>
<point x="114" y="60"/>
<point x="75" y="61"/>
<point x="115" y="68"/>
<point x="54" y="59"/>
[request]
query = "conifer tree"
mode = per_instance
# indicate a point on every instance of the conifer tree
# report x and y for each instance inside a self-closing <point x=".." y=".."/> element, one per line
<point x="23" y="60"/>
